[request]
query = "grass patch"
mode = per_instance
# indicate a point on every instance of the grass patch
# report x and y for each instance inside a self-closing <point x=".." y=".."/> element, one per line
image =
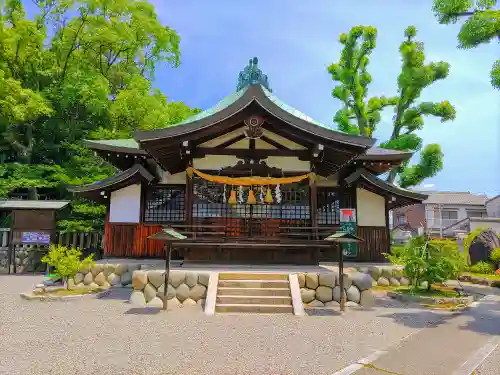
<point x="384" y="288"/>
<point x="436" y="291"/>
<point x="66" y="292"/>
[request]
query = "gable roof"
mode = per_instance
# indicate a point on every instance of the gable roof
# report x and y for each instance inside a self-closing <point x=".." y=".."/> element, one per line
<point x="461" y="198"/>
<point x="406" y="197"/>
<point x="134" y="175"/>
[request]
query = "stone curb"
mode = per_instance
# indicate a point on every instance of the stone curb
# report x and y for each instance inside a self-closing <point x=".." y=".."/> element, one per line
<point x="430" y="300"/>
<point x="52" y="298"/>
<point x="480" y="281"/>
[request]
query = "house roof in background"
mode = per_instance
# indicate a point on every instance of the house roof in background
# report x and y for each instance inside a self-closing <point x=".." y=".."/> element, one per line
<point x="494" y="198"/>
<point x="449" y="197"/>
<point x="13" y="204"/>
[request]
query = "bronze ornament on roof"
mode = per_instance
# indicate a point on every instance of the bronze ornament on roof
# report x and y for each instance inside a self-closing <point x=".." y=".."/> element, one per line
<point x="253" y="127"/>
<point x="252" y="75"/>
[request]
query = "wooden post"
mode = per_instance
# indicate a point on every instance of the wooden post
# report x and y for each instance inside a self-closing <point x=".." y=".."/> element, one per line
<point x="313" y="190"/>
<point x="168" y="252"/>
<point x="388" y="231"/>
<point x="341" y="280"/>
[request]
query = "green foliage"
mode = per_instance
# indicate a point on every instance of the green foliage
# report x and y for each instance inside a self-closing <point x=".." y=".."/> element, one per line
<point x="360" y="115"/>
<point x="468" y="241"/>
<point x="495" y="255"/>
<point x="481" y="25"/>
<point x="78" y="69"/>
<point x="395" y="257"/>
<point x="66" y="262"/>
<point x="482" y="267"/>
<point x="432" y="261"/>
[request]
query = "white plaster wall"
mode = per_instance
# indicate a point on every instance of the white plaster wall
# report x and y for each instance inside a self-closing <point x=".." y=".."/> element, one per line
<point x="493" y="224"/>
<point x="286" y="163"/>
<point x="283" y="141"/>
<point x="125" y="205"/>
<point x="215" y="162"/>
<point x="173" y="179"/>
<point x="330" y="181"/>
<point x="493" y="207"/>
<point x="370" y="209"/>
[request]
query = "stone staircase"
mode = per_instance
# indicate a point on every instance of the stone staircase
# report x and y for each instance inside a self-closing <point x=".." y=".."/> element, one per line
<point x="253" y="293"/>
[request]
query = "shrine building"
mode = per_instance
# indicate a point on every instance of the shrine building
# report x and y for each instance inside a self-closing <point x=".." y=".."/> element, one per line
<point x="250" y="180"/>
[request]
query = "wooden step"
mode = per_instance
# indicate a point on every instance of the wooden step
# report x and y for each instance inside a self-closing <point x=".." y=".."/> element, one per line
<point x="257" y="300"/>
<point x="254" y="283"/>
<point x="223" y="291"/>
<point x="252" y="276"/>
<point x="249" y="308"/>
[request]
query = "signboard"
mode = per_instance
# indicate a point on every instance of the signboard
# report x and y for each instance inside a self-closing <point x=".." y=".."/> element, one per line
<point x="35" y="238"/>
<point x="348" y="225"/>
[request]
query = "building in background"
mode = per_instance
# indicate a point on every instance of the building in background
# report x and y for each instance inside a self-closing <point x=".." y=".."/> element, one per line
<point x="440" y="213"/>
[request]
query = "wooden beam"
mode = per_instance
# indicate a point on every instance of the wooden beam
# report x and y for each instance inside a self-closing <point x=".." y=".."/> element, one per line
<point x="251" y="154"/>
<point x="274" y="143"/>
<point x="231" y="141"/>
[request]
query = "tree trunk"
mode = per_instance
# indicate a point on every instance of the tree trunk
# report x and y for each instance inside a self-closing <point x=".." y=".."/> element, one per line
<point x="33" y="193"/>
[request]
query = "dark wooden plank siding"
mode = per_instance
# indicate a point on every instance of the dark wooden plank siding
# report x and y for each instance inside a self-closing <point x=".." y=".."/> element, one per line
<point x="376" y="242"/>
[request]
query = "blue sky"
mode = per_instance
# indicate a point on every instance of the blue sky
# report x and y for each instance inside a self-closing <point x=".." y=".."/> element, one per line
<point x="296" y="41"/>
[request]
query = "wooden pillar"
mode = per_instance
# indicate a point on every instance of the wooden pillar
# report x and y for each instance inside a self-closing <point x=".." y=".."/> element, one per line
<point x="388" y="231"/>
<point x="313" y="191"/>
<point x="188" y="201"/>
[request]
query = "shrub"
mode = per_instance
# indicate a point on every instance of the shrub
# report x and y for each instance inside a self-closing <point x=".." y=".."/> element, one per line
<point x="495" y="255"/>
<point x="482" y="267"/>
<point x="66" y="262"/>
<point x="432" y="261"/>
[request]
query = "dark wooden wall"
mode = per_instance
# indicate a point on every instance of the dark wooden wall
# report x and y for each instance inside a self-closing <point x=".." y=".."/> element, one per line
<point x="376" y="242"/>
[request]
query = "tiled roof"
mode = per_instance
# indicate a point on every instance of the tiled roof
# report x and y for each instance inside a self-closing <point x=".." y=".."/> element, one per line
<point x="12" y="204"/>
<point x="128" y="143"/>
<point x="448" y="197"/>
<point x="226" y="102"/>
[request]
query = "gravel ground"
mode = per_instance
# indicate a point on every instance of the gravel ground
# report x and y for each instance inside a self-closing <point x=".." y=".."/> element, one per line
<point x="107" y="336"/>
<point x="491" y="366"/>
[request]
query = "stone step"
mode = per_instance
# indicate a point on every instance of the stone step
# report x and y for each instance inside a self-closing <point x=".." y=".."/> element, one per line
<point x="258" y="300"/>
<point x="252" y="276"/>
<point x="248" y="308"/>
<point x="223" y="291"/>
<point x="253" y="283"/>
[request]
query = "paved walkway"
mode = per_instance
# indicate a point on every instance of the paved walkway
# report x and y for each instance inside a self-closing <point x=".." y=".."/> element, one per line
<point x="444" y="347"/>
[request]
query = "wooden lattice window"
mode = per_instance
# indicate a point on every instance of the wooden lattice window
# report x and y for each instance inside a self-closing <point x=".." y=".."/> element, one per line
<point x="165" y="204"/>
<point x="328" y="206"/>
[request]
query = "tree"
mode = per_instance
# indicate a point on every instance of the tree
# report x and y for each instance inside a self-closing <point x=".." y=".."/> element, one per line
<point x="90" y="76"/>
<point x="360" y="115"/>
<point x="481" y="25"/>
<point x="66" y="262"/>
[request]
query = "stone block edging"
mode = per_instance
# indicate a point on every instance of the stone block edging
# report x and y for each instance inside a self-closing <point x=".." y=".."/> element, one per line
<point x="185" y="288"/>
<point x="323" y="289"/>
<point x="430" y="300"/>
<point x="480" y="280"/>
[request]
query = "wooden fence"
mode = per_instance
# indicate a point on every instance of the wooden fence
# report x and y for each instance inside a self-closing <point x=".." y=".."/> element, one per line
<point x="81" y="240"/>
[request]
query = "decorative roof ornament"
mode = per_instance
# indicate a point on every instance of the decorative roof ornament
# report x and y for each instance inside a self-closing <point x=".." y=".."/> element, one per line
<point x="252" y="75"/>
